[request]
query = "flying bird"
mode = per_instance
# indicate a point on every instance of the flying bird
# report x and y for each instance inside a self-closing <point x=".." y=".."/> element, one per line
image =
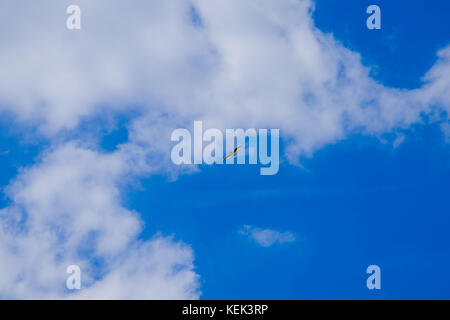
<point x="232" y="153"/>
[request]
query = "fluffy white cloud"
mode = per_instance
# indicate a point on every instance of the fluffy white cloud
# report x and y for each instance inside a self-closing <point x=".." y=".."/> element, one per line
<point x="67" y="210"/>
<point x="126" y="54"/>
<point x="246" y="64"/>
<point x="267" y="237"/>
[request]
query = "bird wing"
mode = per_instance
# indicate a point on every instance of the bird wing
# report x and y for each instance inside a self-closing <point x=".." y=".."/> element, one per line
<point x="227" y="156"/>
<point x="232" y="153"/>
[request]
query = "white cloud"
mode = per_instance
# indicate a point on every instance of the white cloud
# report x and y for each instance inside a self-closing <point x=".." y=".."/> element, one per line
<point x="67" y="210"/>
<point x="250" y="64"/>
<point x="267" y="237"/>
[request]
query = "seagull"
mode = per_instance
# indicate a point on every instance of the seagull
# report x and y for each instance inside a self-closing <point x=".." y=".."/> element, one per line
<point x="232" y="153"/>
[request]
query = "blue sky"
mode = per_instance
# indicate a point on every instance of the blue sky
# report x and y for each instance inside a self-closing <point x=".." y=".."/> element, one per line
<point x="404" y="50"/>
<point x="356" y="199"/>
<point x="354" y="204"/>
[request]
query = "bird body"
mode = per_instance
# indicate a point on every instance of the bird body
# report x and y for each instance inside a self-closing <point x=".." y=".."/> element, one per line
<point x="232" y="153"/>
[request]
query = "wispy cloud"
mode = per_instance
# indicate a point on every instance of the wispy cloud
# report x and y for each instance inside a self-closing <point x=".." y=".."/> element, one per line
<point x="267" y="237"/>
